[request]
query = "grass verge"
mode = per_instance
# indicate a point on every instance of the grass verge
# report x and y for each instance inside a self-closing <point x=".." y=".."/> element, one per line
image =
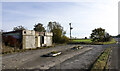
<point x="101" y="62"/>
<point x="109" y="42"/>
<point x="23" y="50"/>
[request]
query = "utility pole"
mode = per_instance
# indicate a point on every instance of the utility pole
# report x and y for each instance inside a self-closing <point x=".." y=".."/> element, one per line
<point x="70" y="29"/>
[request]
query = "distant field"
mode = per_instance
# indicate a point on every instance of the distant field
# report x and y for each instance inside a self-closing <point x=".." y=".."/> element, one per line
<point x="82" y="40"/>
<point x="89" y="41"/>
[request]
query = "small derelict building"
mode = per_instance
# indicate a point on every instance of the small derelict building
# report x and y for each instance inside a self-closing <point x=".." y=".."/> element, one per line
<point x="43" y="39"/>
<point x="27" y="39"/>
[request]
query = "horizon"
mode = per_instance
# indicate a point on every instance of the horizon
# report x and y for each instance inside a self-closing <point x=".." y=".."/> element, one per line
<point x="84" y="16"/>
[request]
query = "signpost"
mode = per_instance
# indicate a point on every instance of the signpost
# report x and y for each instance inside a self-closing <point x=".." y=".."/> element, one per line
<point x="70" y="29"/>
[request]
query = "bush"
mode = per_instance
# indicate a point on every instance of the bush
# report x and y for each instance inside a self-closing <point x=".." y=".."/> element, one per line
<point x="64" y="39"/>
<point x="14" y="43"/>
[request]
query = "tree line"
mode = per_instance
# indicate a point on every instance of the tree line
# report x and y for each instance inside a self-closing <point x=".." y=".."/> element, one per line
<point x="97" y="35"/>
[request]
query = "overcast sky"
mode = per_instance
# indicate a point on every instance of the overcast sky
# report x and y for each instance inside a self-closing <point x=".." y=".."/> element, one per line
<point x="84" y="16"/>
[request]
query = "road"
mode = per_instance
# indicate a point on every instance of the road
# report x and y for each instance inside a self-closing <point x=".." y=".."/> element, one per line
<point x="115" y="56"/>
<point x="81" y="61"/>
<point x="69" y="59"/>
<point x="12" y="61"/>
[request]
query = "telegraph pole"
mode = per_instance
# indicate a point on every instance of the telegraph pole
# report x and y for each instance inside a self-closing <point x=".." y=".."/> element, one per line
<point x="70" y="29"/>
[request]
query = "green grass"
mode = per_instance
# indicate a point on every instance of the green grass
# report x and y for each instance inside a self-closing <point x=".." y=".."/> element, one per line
<point x="82" y="40"/>
<point x="54" y="52"/>
<point x="23" y="50"/>
<point x="109" y="42"/>
<point x="102" y="60"/>
<point x="89" y="41"/>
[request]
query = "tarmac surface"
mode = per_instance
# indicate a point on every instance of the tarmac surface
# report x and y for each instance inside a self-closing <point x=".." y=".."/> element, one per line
<point x="69" y="59"/>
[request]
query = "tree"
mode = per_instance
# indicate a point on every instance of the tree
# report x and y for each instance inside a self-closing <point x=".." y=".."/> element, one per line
<point x="118" y="36"/>
<point x="19" y="28"/>
<point x="58" y="32"/>
<point x="98" y="35"/>
<point x="39" y="27"/>
<point x="107" y="37"/>
<point x="85" y="37"/>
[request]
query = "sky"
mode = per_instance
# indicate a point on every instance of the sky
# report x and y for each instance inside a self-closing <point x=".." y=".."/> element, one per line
<point x="84" y="16"/>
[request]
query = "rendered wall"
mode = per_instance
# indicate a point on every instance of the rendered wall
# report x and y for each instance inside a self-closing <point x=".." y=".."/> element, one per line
<point x="48" y="41"/>
<point x="28" y="39"/>
<point x="30" y="42"/>
<point x="48" y="38"/>
<point x="37" y="41"/>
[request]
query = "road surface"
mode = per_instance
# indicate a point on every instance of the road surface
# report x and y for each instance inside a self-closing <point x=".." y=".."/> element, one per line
<point x="115" y="56"/>
<point x="69" y="59"/>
